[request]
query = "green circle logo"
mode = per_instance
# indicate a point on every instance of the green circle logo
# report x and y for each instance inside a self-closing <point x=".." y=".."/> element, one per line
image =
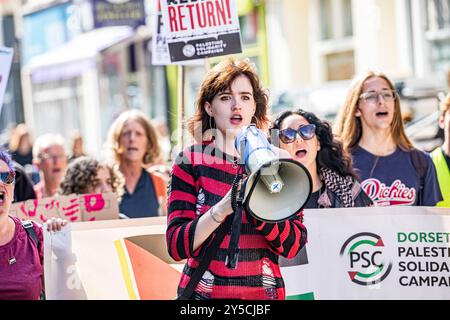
<point x="365" y="254"/>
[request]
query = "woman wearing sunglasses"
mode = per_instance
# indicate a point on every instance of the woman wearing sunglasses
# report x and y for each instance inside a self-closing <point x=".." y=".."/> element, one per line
<point x="370" y="127"/>
<point x="21" y="256"/>
<point x="230" y="97"/>
<point x="310" y="141"/>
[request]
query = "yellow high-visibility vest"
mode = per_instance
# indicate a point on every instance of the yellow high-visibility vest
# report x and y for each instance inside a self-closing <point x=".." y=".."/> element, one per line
<point x="443" y="174"/>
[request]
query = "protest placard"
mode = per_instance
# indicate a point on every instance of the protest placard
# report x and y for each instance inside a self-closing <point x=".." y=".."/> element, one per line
<point x="201" y="29"/>
<point x="160" y="48"/>
<point x="74" y="208"/>
<point x="6" y="56"/>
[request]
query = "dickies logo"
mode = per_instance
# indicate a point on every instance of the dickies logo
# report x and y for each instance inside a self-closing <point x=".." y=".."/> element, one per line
<point x="389" y="195"/>
<point x="366" y="259"/>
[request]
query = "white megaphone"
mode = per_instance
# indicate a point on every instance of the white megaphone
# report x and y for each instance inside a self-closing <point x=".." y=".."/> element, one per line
<point x="276" y="188"/>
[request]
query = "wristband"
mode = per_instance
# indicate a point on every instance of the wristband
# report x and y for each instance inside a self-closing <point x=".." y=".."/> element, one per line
<point x="214" y="218"/>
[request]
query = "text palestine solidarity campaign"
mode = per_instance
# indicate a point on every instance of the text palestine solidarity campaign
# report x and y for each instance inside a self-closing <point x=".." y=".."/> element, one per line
<point x="197" y="14"/>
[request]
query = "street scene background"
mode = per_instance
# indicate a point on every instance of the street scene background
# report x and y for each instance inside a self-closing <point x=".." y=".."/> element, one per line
<point x="76" y="66"/>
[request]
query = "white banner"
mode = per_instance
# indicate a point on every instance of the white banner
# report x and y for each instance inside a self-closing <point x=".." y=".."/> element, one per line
<point x="6" y="56"/>
<point x="359" y="253"/>
<point x="374" y="253"/>
<point x="111" y="259"/>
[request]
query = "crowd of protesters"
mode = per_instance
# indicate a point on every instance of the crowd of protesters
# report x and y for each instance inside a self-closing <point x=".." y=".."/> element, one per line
<point x="130" y="166"/>
<point x="366" y="160"/>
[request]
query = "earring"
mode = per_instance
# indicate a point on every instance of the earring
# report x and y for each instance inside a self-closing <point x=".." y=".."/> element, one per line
<point x="210" y="125"/>
<point x="212" y="130"/>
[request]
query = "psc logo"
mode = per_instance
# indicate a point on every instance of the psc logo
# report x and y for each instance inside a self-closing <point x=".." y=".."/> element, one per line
<point x="366" y="258"/>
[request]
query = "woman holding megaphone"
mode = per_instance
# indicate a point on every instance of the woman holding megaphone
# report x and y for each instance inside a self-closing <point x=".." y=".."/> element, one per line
<point x="200" y="206"/>
<point x="309" y="140"/>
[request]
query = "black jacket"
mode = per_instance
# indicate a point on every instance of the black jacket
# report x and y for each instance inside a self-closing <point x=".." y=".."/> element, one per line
<point x="23" y="189"/>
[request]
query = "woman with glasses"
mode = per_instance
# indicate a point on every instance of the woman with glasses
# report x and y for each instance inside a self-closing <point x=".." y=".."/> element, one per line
<point x="310" y="141"/>
<point x="370" y="127"/>
<point x="230" y="97"/>
<point x="21" y="249"/>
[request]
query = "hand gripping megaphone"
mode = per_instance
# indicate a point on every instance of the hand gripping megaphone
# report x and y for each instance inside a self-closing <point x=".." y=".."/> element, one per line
<point x="276" y="188"/>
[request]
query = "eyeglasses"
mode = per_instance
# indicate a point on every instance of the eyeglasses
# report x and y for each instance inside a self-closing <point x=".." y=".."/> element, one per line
<point x="56" y="157"/>
<point x="306" y="132"/>
<point x="373" y="96"/>
<point x="8" y="177"/>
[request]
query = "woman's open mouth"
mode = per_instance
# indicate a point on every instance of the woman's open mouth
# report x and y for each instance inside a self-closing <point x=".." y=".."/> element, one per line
<point x="382" y="114"/>
<point x="301" y="153"/>
<point x="132" y="149"/>
<point x="236" y="120"/>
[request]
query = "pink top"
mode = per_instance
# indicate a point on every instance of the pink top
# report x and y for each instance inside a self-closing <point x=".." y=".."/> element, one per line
<point x="22" y="279"/>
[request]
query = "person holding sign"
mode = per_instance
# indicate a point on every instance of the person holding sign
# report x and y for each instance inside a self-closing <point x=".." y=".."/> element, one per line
<point x="370" y="127"/>
<point x="133" y="145"/>
<point x="441" y="155"/>
<point x="21" y="247"/>
<point x="199" y="203"/>
<point x="310" y="141"/>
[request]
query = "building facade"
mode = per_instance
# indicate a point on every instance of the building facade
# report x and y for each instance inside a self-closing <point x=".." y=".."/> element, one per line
<point x="317" y="41"/>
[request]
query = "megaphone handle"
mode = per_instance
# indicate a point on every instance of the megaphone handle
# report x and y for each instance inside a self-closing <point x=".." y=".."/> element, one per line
<point x="237" y="179"/>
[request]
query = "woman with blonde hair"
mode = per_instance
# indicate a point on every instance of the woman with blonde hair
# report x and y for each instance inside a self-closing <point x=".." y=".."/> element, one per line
<point x="132" y="144"/>
<point x="370" y="127"/>
<point x="199" y="206"/>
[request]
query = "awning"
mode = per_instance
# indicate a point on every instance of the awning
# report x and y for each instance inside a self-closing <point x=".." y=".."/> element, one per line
<point x="72" y="58"/>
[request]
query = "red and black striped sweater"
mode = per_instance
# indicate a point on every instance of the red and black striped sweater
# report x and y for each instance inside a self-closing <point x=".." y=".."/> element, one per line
<point x="201" y="176"/>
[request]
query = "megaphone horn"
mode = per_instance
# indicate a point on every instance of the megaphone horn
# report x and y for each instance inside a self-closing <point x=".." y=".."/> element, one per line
<point x="276" y="188"/>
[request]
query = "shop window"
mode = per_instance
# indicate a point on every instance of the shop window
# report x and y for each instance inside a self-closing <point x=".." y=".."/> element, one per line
<point x="56" y="106"/>
<point x="326" y="19"/>
<point x="347" y="18"/>
<point x="340" y="66"/>
<point x="438" y="14"/>
<point x="440" y="55"/>
<point x="335" y="18"/>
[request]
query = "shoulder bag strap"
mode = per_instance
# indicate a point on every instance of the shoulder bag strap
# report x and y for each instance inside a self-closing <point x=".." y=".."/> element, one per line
<point x="206" y="259"/>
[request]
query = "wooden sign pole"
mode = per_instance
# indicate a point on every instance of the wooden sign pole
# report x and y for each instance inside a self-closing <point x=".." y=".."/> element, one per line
<point x="181" y="109"/>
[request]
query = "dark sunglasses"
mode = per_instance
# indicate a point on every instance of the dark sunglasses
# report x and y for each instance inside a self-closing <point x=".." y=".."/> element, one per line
<point x="306" y="132"/>
<point x="8" y="177"/>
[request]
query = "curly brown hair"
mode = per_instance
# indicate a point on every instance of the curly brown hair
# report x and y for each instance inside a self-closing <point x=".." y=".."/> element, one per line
<point x="81" y="173"/>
